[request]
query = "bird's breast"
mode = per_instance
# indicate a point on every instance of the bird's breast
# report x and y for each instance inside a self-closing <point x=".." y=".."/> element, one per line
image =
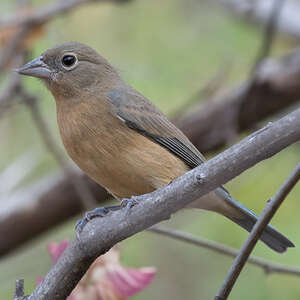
<point x="123" y="161"/>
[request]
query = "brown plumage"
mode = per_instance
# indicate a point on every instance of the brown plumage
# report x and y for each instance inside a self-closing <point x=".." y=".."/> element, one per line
<point x="117" y="158"/>
<point x="119" y="138"/>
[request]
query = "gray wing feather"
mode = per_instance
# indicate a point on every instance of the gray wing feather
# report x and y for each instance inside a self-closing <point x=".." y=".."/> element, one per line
<point x="142" y="116"/>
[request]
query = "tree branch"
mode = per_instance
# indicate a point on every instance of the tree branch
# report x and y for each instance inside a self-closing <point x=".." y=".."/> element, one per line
<point x="275" y="87"/>
<point x="262" y="222"/>
<point x="9" y="93"/>
<point x="45" y="14"/>
<point x="101" y="234"/>
<point x="268" y="266"/>
<point x="269" y="34"/>
<point x="32" y="210"/>
<point x="26" y="24"/>
<point x="11" y="89"/>
<point x="19" y="289"/>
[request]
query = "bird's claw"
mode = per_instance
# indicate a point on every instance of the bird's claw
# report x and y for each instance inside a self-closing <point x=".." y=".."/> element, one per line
<point x="89" y="215"/>
<point x="127" y="204"/>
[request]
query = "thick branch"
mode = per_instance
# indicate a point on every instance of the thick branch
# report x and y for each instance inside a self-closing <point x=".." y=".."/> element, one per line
<point x="256" y="232"/>
<point x="102" y="233"/>
<point x="275" y="87"/>
<point x="40" y="206"/>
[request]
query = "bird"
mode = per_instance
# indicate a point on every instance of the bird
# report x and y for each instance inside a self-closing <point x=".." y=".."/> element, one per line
<point x="120" y="139"/>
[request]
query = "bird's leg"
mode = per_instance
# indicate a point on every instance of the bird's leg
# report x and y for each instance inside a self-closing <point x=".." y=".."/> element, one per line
<point x="97" y="212"/>
<point x="126" y="204"/>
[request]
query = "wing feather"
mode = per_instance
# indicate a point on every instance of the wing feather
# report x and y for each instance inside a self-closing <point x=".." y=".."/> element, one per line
<point x="142" y="116"/>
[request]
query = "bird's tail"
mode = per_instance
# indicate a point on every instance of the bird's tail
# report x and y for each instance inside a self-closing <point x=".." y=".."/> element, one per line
<point x="247" y="219"/>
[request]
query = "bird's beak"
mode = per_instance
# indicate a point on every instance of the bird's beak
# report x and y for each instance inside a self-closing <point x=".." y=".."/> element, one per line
<point x="36" y="68"/>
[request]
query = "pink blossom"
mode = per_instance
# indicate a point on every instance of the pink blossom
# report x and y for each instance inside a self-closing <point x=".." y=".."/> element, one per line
<point x="106" y="279"/>
<point x="56" y="249"/>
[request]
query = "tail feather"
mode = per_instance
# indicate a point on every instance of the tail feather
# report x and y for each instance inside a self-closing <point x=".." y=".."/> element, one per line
<point x="247" y="219"/>
<point x="270" y="236"/>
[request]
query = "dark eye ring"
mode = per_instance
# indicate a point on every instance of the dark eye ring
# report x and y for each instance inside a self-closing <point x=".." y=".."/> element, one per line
<point x="69" y="60"/>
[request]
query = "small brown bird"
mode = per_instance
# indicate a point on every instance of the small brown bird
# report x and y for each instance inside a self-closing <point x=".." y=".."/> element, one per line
<point x="119" y="138"/>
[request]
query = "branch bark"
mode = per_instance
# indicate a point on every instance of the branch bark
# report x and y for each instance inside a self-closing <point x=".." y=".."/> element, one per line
<point x="101" y="234"/>
<point x="19" y="289"/>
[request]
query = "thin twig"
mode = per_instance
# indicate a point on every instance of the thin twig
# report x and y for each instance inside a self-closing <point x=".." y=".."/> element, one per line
<point x="269" y="34"/>
<point x="26" y="24"/>
<point x="268" y="266"/>
<point x="19" y="289"/>
<point x="83" y="191"/>
<point x="256" y="232"/>
<point x="14" y="46"/>
<point x="267" y="42"/>
<point x="42" y="15"/>
<point x="9" y="93"/>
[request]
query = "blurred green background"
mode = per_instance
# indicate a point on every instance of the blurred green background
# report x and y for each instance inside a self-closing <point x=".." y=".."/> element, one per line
<point x="167" y="50"/>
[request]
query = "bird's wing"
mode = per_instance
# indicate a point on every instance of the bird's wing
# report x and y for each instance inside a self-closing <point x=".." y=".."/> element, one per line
<point x="141" y="115"/>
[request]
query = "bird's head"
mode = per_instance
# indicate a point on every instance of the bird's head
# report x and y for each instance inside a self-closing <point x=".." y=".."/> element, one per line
<point x="71" y="68"/>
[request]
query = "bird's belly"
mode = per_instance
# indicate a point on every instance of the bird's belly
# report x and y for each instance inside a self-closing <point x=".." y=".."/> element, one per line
<point x="127" y="165"/>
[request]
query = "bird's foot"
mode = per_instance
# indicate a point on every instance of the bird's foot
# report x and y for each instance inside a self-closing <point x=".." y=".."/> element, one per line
<point x="127" y="204"/>
<point x="97" y="212"/>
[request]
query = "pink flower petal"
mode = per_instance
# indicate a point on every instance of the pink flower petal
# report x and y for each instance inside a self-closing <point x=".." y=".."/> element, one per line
<point x="128" y="282"/>
<point x="56" y="249"/>
<point x="105" y="291"/>
<point x="106" y="279"/>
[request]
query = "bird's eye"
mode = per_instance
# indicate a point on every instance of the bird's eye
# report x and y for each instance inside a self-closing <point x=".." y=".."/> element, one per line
<point x="69" y="60"/>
